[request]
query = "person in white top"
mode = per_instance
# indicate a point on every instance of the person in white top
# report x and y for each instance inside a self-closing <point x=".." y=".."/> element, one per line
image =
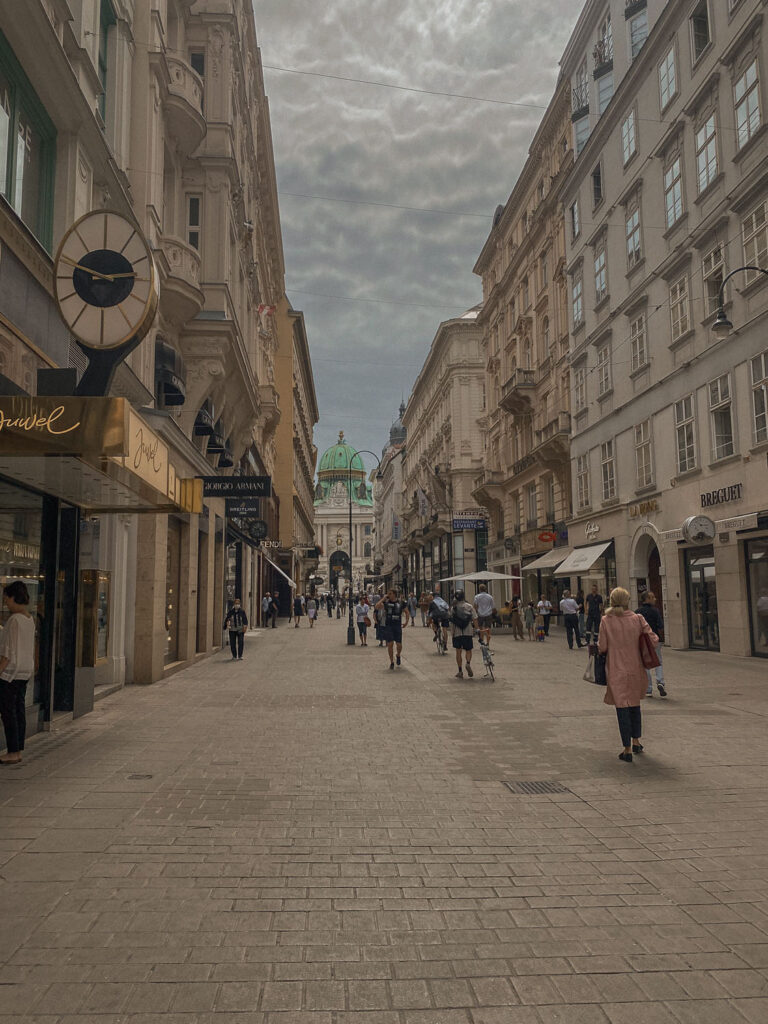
<point x="570" y="608"/>
<point x="17" y="665"/>
<point x="485" y="607"/>
<point x="544" y="608"/>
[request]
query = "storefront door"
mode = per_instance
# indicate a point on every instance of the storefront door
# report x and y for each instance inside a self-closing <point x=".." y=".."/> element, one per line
<point x="703" y="628"/>
<point x="757" y="583"/>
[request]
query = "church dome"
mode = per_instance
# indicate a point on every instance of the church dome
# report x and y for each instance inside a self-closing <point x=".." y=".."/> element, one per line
<point x="338" y="458"/>
<point x="397" y="432"/>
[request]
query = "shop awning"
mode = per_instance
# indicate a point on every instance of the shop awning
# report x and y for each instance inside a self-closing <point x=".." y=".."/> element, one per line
<point x="581" y="560"/>
<point x="548" y="560"/>
<point x="290" y="581"/>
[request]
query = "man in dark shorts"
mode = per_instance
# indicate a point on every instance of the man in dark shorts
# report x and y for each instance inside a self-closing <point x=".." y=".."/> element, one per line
<point x="463" y="625"/>
<point x="594" y="612"/>
<point x="392" y="626"/>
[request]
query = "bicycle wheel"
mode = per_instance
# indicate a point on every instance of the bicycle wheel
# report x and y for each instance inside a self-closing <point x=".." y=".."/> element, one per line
<point x="489" y="666"/>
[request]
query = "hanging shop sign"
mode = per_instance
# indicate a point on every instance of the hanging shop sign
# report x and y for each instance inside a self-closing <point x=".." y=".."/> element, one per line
<point x="237" y="486"/>
<point x="722" y="495"/>
<point x="243" y="506"/>
<point x="470" y="519"/>
<point x="547" y="537"/>
<point x="63" y="426"/>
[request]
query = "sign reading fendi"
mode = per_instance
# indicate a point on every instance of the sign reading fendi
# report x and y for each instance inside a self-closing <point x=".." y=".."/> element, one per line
<point x="734" y="492"/>
<point x="237" y="486"/>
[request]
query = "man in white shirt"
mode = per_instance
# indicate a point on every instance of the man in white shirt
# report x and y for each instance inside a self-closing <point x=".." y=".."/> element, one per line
<point x="570" y="609"/>
<point x="485" y="607"/>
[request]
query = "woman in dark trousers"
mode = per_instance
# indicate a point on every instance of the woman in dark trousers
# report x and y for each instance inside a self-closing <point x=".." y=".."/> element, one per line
<point x="619" y="640"/>
<point x="17" y="666"/>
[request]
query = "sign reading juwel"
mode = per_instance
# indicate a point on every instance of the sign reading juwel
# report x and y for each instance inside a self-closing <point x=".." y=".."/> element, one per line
<point x="63" y="426"/>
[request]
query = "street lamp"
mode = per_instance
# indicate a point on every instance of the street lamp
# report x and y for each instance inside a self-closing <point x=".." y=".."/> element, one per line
<point x="363" y="451"/>
<point x="722" y="326"/>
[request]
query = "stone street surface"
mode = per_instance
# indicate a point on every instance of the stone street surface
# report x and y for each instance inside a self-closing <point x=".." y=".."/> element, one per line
<point x="307" y="838"/>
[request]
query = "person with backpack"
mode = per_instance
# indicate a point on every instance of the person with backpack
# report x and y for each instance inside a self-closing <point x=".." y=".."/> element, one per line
<point x="463" y="625"/>
<point x="440" y="617"/>
<point x="393" y="610"/>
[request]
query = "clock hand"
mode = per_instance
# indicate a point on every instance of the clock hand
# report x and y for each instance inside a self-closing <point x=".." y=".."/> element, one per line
<point x="87" y="270"/>
<point x="114" y="277"/>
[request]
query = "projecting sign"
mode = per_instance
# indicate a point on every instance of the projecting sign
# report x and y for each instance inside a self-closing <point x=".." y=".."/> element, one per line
<point x="243" y="506"/>
<point x="237" y="486"/>
<point x="468" y="522"/>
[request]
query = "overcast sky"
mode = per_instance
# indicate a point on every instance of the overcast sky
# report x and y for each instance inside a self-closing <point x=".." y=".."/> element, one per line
<point x="375" y="282"/>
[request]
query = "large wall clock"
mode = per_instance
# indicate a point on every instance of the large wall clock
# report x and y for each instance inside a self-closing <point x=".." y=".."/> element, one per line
<point x="106" y="281"/>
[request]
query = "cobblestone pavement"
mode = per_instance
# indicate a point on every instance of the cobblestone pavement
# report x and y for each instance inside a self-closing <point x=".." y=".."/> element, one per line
<point x="308" y="838"/>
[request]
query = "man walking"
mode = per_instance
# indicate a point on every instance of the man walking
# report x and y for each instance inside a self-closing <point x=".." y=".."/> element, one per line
<point x="594" y="612"/>
<point x="652" y="616"/>
<point x="237" y="623"/>
<point x="392" y="610"/>
<point x="570" y="610"/>
<point x="463" y="625"/>
<point x="274" y="608"/>
<point x="298" y="608"/>
<point x="329" y="605"/>
<point x="485" y="606"/>
<point x="413" y="607"/>
<point x="266" y="603"/>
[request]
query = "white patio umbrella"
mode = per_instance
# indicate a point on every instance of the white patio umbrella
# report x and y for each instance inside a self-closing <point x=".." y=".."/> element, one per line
<point x="483" y="576"/>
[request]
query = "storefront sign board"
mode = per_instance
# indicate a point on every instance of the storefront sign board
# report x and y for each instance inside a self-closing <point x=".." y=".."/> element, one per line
<point x="722" y="495"/>
<point x="748" y="522"/>
<point x="644" y="508"/>
<point x="243" y="506"/>
<point x="148" y="455"/>
<point x="63" y="425"/>
<point x="237" y="486"/>
<point x="462" y="521"/>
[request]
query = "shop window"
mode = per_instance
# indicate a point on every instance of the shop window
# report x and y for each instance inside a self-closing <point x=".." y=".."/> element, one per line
<point x="643" y="455"/>
<point x="172" y="588"/>
<point x="755" y="234"/>
<point x="608" y="468"/>
<point x="673" y="191"/>
<point x="634" y="249"/>
<point x="667" y="78"/>
<point x="757" y="576"/>
<point x="27" y="148"/>
<point x="713" y="269"/>
<point x="746" y="95"/>
<point x="629" y="137"/>
<point x="701" y="33"/>
<point x="721" y="417"/>
<point x="678" y="308"/>
<point x="458" y="554"/>
<point x="638" y="342"/>
<point x="685" y="435"/>
<point x="582" y="481"/>
<point x="706" y="153"/>
<point x="106" y="21"/>
<point x="759" y="368"/>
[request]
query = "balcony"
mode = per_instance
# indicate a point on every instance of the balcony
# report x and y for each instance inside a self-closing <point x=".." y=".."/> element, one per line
<point x="551" y="443"/>
<point x="517" y="392"/>
<point x="603" y="56"/>
<point x="184" y="105"/>
<point x="179" y="264"/>
<point x="580" y="101"/>
<point x="270" y="408"/>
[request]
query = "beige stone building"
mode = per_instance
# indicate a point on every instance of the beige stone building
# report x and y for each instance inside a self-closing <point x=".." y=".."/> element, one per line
<point x="443" y="456"/>
<point x="525" y="477"/>
<point x="155" y="110"/>
<point x="669" y="194"/>
<point x="388" y="503"/>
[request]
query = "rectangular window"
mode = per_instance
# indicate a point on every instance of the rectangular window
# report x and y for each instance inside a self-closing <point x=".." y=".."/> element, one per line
<point x="597" y="185"/>
<point x="713" y="269"/>
<point x="638" y="33"/>
<point x="532" y="506"/>
<point x="106" y="21"/>
<point x="580" y="388"/>
<point x="549" y="498"/>
<point x="526" y="294"/>
<point x="544" y="274"/>
<point x="197" y="61"/>
<point x="685" y="435"/>
<point x="746" y="95"/>
<point x="638" y="342"/>
<point x="604" y="91"/>
<point x="673" y="192"/>
<point x="706" y="153"/>
<point x="603" y="370"/>
<point x="575" y="220"/>
<point x="755" y="233"/>
<point x="580" y="134"/>
<point x="634" y="251"/>
<point x="760" y="397"/>
<point x="722" y="419"/>
<point x="608" y="467"/>
<point x="667" y="78"/>
<point x="628" y="137"/>
<point x="700" y="30"/>
<point x="643" y="460"/>
<point x="577" y="296"/>
<point x="678" y="308"/>
<point x="582" y="481"/>
<point x="601" y="274"/>
<point x="194" y="221"/>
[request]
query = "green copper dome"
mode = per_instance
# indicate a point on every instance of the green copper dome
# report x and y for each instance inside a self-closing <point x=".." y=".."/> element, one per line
<point x="336" y="466"/>
<point x="338" y="456"/>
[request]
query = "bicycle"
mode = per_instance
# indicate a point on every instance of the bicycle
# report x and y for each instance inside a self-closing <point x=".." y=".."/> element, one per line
<point x="442" y="645"/>
<point x="487" y="660"/>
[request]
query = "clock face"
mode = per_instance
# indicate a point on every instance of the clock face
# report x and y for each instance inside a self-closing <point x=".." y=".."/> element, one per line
<point x="106" y="281"/>
<point x="699" y="529"/>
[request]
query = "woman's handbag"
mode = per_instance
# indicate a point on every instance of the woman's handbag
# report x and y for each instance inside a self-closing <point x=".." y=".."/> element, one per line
<point x="366" y="620"/>
<point x="589" y="672"/>
<point x="648" y="655"/>
<point x="600" y="677"/>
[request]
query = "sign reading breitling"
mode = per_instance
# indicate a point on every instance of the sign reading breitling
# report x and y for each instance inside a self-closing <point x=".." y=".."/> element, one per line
<point x="63" y="426"/>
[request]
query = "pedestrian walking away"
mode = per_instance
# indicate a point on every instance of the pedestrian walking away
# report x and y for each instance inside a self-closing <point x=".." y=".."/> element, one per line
<point x="440" y="617"/>
<point x="393" y="609"/>
<point x="594" y="611"/>
<point x="329" y="605"/>
<point x="274" y="608"/>
<point x="544" y="608"/>
<point x="266" y="603"/>
<point x="363" y="621"/>
<point x="619" y="640"/>
<point x="529" y="616"/>
<point x="17" y="665"/>
<point x="413" y="607"/>
<point x="424" y="602"/>
<point x="484" y="607"/>
<point x="582" y="616"/>
<point x="570" y="611"/>
<point x="652" y="616"/>
<point x="298" y="609"/>
<point x="515" y="620"/>
<point x="311" y="611"/>
<point x="237" y="623"/>
<point x="463" y="625"/>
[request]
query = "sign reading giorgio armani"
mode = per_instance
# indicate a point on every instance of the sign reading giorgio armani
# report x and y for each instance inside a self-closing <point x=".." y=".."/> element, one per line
<point x="237" y="486"/>
<point x="734" y="492"/>
<point x="63" y="426"/>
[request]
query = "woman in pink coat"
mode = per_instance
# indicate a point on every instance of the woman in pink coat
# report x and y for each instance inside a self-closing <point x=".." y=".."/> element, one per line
<point x="619" y="639"/>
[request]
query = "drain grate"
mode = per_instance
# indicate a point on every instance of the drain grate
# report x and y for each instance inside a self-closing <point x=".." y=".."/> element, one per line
<point x="527" y="788"/>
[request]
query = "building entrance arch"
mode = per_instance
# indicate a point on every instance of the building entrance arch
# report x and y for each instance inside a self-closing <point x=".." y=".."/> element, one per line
<point x="647" y="567"/>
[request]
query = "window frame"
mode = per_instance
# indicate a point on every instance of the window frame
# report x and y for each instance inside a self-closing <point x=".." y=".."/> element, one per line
<point x="720" y="403"/>
<point x="697" y="55"/>
<point x="708" y="148"/>
<point x="629" y="123"/>
<point x="604" y="373"/>
<point x="582" y="482"/>
<point x="638" y="343"/>
<point x="601" y="271"/>
<point x="608" y="468"/>
<point x="577" y="299"/>
<point x="192" y="228"/>
<point x="759" y="387"/>
<point x="712" y="279"/>
<point x="603" y="82"/>
<point x="687" y="423"/>
<point x="749" y="90"/>
<point x="630" y="27"/>
<point x="579" y="389"/>
<point x="679" y="296"/>
<point x="664" y="68"/>
<point x="643" y="444"/>
<point x="633" y="236"/>
<point x="575" y="219"/>
<point x="673" y="186"/>
<point x="595" y="178"/>
<point x="755" y="253"/>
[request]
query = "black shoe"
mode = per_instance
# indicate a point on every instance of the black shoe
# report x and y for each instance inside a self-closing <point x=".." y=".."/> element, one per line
<point x="625" y="757"/>
<point x="662" y="691"/>
<point x="392" y="666"/>
<point x="470" y="673"/>
<point x="637" y="748"/>
<point x="398" y="659"/>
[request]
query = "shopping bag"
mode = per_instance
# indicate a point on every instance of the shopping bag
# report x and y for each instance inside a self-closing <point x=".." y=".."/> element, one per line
<point x="589" y="672"/>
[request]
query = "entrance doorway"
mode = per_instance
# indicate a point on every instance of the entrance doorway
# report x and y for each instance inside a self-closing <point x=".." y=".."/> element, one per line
<point x="703" y="627"/>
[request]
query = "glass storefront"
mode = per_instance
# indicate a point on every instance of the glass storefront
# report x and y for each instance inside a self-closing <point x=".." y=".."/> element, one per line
<point x="701" y="584"/>
<point x="757" y="589"/>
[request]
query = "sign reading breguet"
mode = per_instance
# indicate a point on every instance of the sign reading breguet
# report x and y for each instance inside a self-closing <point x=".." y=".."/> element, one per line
<point x="63" y="426"/>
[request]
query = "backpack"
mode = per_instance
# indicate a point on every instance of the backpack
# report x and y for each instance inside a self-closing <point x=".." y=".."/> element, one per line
<point x="441" y="605"/>
<point x="460" y="617"/>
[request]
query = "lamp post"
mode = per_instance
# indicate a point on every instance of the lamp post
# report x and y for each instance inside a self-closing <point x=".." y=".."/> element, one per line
<point x="722" y="326"/>
<point x="363" y="451"/>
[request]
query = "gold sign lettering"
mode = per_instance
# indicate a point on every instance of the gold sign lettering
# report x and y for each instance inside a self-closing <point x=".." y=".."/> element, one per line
<point x="45" y="422"/>
<point x="643" y="508"/>
<point x="147" y="452"/>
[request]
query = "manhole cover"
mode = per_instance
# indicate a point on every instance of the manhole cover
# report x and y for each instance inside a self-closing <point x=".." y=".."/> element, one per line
<point x="137" y="777"/>
<point x="536" y="787"/>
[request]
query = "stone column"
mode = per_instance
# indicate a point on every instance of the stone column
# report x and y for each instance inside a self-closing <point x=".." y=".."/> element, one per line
<point x="204" y="597"/>
<point x="188" y="591"/>
<point x="732" y="607"/>
<point x="149" y="631"/>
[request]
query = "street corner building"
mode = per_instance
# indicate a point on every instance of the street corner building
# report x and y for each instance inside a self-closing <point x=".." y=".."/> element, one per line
<point x="151" y="117"/>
